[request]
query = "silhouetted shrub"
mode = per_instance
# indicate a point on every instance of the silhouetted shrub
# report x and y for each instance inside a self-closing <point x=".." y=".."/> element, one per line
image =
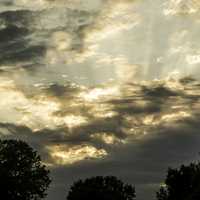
<point x="101" y="188"/>
<point x="181" y="184"/>
<point x="22" y="175"/>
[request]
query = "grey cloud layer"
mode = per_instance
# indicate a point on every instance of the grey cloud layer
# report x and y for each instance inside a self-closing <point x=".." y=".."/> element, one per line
<point x="134" y="114"/>
<point x="148" y="118"/>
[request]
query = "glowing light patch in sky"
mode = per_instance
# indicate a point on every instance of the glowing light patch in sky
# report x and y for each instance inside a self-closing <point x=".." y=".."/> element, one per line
<point x="64" y="155"/>
<point x="100" y="93"/>
<point x="107" y="138"/>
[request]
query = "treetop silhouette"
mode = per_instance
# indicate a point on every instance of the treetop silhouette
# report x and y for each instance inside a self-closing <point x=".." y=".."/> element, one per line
<point x="22" y="175"/>
<point x="101" y="188"/>
<point x="181" y="184"/>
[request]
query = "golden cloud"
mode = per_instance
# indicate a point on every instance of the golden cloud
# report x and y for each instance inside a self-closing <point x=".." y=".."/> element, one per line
<point x="65" y="155"/>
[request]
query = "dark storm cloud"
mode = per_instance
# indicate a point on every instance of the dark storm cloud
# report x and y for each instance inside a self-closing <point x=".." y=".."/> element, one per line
<point x="147" y="100"/>
<point x="62" y="91"/>
<point x="25" y="35"/>
<point x="158" y="91"/>
<point x="9" y="130"/>
<point x="16" y="47"/>
<point x="17" y="17"/>
<point x="37" y="139"/>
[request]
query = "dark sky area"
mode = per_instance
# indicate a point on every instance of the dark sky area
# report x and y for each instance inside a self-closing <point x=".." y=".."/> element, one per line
<point x="102" y="87"/>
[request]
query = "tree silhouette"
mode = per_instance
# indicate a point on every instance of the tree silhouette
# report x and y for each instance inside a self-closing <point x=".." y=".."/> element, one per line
<point x="101" y="188"/>
<point x="22" y="175"/>
<point x="181" y="184"/>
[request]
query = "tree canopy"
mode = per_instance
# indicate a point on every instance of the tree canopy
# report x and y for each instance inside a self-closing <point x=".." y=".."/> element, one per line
<point x="22" y="175"/>
<point x="101" y="188"/>
<point x="182" y="183"/>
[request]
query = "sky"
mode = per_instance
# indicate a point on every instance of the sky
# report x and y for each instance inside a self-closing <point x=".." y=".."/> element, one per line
<point x="102" y="87"/>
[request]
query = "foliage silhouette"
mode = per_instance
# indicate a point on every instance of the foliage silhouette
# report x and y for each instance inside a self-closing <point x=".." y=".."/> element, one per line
<point x="22" y="175"/>
<point x="101" y="188"/>
<point x="181" y="184"/>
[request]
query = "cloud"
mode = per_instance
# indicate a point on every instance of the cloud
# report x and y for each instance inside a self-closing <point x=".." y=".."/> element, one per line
<point x="134" y="130"/>
<point x="89" y="26"/>
<point x="182" y="7"/>
<point x="125" y="126"/>
<point x="124" y="71"/>
<point x="43" y="36"/>
<point x="17" y="48"/>
<point x="98" y="117"/>
<point x="64" y="155"/>
<point x="118" y="11"/>
<point x="85" y="28"/>
<point x="55" y="38"/>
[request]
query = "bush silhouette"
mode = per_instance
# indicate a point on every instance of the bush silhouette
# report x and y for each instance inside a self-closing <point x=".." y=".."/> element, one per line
<point x="101" y="188"/>
<point x="181" y="184"/>
<point x="22" y="175"/>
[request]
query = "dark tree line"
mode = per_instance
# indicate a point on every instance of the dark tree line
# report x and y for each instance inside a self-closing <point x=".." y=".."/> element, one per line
<point x="181" y="184"/>
<point x="24" y="177"/>
<point x="101" y="188"/>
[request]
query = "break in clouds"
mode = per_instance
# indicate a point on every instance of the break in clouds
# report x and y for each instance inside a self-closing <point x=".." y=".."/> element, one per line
<point x="102" y="86"/>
